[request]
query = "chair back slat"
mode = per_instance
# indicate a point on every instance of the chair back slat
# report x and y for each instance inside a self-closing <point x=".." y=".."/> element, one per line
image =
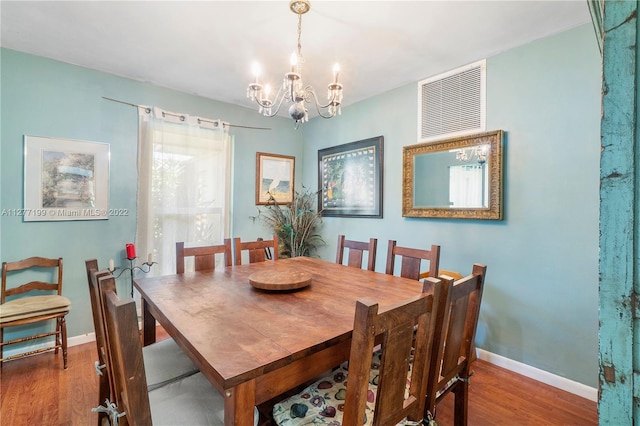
<point x="204" y="256"/>
<point x="356" y="251"/>
<point x="259" y="250"/>
<point x="31" y="262"/>
<point x="395" y="364"/>
<point x="412" y="258"/>
<point x="455" y="337"/>
<point x="410" y="267"/>
<point x="30" y="286"/>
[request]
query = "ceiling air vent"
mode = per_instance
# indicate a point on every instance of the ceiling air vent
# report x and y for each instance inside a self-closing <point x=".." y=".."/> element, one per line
<point x="453" y="103"/>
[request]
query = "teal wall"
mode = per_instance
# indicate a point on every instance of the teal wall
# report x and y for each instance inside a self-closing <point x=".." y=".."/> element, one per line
<point x="541" y="297"/>
<point x="41" y="97"/>
<point x="540" y="305"/>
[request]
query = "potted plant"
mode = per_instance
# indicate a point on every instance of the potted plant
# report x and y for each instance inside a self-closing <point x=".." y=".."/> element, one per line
<point x="295" y="224"/>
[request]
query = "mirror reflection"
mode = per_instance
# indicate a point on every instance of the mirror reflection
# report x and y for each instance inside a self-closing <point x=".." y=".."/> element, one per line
<point x="454" y="178"/>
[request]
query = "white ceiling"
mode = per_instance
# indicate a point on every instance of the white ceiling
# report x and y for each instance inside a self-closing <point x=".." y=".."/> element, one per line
<point x="208" y="47"/>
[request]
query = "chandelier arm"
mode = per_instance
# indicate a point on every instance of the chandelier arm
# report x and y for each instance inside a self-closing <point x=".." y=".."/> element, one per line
<point x="319" y="107"/>
<point x="274" y="113"/>
<point x="309" y="89"/>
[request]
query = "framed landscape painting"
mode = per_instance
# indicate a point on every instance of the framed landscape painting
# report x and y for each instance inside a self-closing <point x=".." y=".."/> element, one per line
<point x="350" y="179"/>
<point x="274" y="178"/>
<point x="65" y="179"/>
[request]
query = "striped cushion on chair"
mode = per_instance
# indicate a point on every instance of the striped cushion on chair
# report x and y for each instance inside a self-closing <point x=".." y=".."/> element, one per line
<point x="33" y="306"/>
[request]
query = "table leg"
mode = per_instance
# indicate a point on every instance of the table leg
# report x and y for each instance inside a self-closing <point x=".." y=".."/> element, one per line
<point x="239" y="404"/>
<point x="148" y="325"/>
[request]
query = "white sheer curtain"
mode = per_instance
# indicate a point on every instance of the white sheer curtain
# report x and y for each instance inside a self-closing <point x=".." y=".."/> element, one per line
<point x="466" y="186"/>
<point x="183" y="184"/>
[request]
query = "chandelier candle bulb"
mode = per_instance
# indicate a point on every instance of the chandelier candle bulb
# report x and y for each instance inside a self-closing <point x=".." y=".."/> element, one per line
<point x="336" y="72"/>
<point x="294" y="61"/>
<point x="150" y="258"/>
<point x="256" y="71"/>
<point x="264" y="95"/>
<point x="112" y="265"/>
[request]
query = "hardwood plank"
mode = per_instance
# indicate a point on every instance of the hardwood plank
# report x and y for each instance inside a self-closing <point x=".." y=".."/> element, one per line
<point x="36" y="390"/>
<point x="500" y="397"/>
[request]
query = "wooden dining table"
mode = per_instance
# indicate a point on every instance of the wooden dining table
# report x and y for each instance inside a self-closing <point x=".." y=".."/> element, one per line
<point x="254" y="344"/>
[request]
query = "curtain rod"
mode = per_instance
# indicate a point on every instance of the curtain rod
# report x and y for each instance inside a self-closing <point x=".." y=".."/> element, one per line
<point x="216" y="122"/>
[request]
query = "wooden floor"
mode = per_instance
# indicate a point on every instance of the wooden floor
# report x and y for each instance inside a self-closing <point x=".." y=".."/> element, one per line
<point x="37" y="391"/>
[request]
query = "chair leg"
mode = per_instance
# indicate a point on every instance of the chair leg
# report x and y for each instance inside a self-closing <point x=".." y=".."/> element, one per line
<point x="103" y="394"/>
<point x="63" y="329"/>
<point x="460" y="413"/>
<point x="58" y="338"/>
<point x="430" y="408"/>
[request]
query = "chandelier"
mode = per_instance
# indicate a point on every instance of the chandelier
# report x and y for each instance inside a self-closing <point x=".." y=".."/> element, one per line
<point x="475" y="153"/>
<point x="293" y="89"/>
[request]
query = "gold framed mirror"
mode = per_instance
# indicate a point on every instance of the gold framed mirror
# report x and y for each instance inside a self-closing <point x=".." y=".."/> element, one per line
<point x="458" y="178"/>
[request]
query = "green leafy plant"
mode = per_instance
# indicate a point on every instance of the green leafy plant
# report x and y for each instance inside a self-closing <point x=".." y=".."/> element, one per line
<point x="295" y="223"/>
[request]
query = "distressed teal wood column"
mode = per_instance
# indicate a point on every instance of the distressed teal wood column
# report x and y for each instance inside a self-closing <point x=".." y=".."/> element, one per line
<point x="618" y="213"/>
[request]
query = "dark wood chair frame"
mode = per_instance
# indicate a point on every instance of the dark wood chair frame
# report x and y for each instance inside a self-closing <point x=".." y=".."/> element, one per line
<point x="60" y="333"/>
<point x="259" y="250"/>
<point x="126" y="359"/>
<point x="356" y="252"/>
<point x="411" y="260"/>
<point x="453" y="345"/>
<point x="106" y="387"/>
<point x="204" y="256"/>
<point x="399" y="329"/>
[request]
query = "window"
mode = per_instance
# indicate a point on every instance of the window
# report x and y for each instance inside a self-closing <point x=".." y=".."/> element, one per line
<point x="183" y="192"/>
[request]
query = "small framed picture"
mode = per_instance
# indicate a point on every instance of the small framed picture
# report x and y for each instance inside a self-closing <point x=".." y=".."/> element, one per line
<point x="65" y="179"/>
<point x="274" y="178"/>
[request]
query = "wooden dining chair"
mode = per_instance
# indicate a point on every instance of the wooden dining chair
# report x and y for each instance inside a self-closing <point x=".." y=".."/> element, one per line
<point x="106" y="388"/>
<point x="412" y="259"/>
<point x="190" y="401"/>
<point x="453" y="348"/>
<point x="204" y="257"/>
<point x="356" y="250"/>
<point x="385" y="386"/>
<point x="259" y="250"/>
<point x="165" y="361"/>
<point x="38" y="298"/>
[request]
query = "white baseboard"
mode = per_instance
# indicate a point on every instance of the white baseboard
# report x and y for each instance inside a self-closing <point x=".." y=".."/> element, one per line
<point x="83" y="338"/>
<point x="540" y="375"/>
<point x="515" y="366"/>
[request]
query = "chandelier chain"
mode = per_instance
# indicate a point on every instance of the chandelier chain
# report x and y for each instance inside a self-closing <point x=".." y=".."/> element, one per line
<point x="299" y="36"/>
